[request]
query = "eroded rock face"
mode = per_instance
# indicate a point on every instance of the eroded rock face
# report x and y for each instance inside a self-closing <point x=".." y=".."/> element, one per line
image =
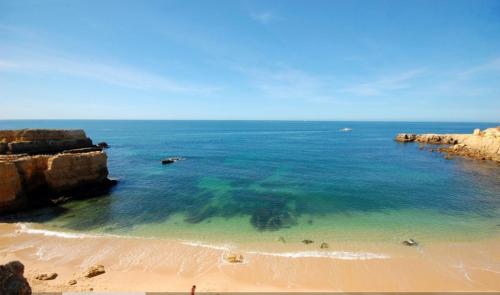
<point x="484" y="145"/>
<point x="65" y="171"/>
<point x="12" y="281"/>
<point x="10" y="183"/>
<point x="37" y="141"/>
<point x="31" y="180"/>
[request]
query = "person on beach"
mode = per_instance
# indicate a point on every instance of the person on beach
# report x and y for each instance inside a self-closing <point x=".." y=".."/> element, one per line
<point x="193" y="289"/>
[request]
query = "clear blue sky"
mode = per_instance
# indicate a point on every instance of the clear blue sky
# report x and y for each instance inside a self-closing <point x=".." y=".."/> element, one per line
<point x="304" y="60"/>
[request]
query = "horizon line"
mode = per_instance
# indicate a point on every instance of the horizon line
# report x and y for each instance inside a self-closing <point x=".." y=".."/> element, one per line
<point x="257" y="120"/>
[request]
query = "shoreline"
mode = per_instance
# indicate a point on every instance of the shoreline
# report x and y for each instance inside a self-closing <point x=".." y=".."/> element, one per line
<point x="150" y="264"/>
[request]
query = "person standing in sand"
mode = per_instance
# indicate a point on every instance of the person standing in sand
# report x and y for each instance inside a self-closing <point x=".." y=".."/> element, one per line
<point x="193" y="289"/>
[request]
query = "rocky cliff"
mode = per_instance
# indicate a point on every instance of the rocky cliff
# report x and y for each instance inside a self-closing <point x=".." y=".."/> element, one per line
<point x="484" y="145"/>
<point x="39" y="166"/>
<point x="12" y="280"/>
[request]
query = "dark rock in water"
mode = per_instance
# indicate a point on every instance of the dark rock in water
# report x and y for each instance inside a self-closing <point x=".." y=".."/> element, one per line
<point x="103" y="145"/>
<point x="281" y="239"/>
<point x="324" y="246"/>
<point x="12" y="281"/>
<point x="410" y="242"/>
<point x="307" y="242"/>
<point x="170" y="160"/>
<point x="46" y="277"/>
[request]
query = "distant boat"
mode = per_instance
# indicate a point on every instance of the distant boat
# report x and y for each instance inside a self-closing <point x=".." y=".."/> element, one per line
<point x="346" y="129"/>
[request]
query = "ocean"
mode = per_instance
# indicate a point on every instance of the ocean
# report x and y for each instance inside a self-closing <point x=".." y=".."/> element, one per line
<point x="259" y="182"/>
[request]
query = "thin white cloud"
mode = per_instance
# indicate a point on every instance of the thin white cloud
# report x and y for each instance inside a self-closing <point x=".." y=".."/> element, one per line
<point x="492" y="65"/>
<point x="474" y="81"/>
<point x="49" y="62"/>
<point x="263" y="17"/>
<point x="385" y="84"/>
<point x="289" y="83"/>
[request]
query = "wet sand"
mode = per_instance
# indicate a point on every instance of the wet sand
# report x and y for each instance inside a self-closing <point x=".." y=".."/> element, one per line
<point x="140" y="264"/>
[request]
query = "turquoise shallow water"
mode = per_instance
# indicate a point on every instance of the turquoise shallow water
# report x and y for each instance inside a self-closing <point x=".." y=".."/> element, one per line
<point x="252" y="181"/>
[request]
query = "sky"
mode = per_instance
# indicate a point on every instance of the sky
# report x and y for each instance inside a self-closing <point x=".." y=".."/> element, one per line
<point x="250" y="60"/>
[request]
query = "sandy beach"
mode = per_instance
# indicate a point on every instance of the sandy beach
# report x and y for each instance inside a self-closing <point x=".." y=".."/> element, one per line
<point x="140" y="264"/>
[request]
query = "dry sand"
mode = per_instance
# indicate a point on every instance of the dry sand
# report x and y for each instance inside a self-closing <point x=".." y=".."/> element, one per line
<point x="137" y="264"/>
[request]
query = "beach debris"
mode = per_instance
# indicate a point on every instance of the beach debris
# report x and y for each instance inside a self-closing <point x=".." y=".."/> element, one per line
<point x="72" y="282"/>
<point x="410" y="242"/>
<point x="324" y="246"/>
<point x="12" y="280"/>
<point x="94" y="271"/>
<point x="233" y="258"/>
<point x="281" y="239"/>
<point x="46" y="277"/>
<point x="171" y="160"/>
<point x="307" y="242"/>
<point x="103" y="145"/>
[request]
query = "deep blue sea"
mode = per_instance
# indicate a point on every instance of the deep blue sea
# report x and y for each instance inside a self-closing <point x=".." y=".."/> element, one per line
<point x="250" y="181"/>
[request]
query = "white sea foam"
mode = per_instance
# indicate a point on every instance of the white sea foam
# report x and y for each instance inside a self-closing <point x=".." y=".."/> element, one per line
<point x="205" y="245"/>
<point x="26" y="229"/>
<point x="342" y="255"/>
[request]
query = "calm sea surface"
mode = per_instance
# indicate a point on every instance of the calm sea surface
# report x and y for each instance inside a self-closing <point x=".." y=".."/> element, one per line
<point x="253" y="181"/>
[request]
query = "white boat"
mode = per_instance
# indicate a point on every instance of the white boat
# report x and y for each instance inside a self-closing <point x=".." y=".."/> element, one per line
<point x="346" y="129"/>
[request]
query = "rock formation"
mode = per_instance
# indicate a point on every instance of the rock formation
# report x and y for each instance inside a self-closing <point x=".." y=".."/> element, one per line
<point x="38" y="166"/>
<point x="40" y="141"/>
<point x="94" y="271"/>
<point x="46" y="277"/>
<point x="484" y="145"/>
<point x="12" y="281"/>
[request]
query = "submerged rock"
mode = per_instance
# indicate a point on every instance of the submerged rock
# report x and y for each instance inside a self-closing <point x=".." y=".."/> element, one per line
<point x="94" y="271"/>
<point x="307" y="242"/>
<point x="324" y="246"/>
<point x="410" y="242"/>
<point x="281" y="239"/>
<point x="12" y="281"/>
<point x="46" y="277"/>
<point x="272" y="213"/>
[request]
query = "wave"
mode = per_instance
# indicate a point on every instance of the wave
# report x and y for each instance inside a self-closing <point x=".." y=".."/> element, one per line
<point x="205" y="245"/>
<point x="342" y="255"/>
<point x="24" y="228"/>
